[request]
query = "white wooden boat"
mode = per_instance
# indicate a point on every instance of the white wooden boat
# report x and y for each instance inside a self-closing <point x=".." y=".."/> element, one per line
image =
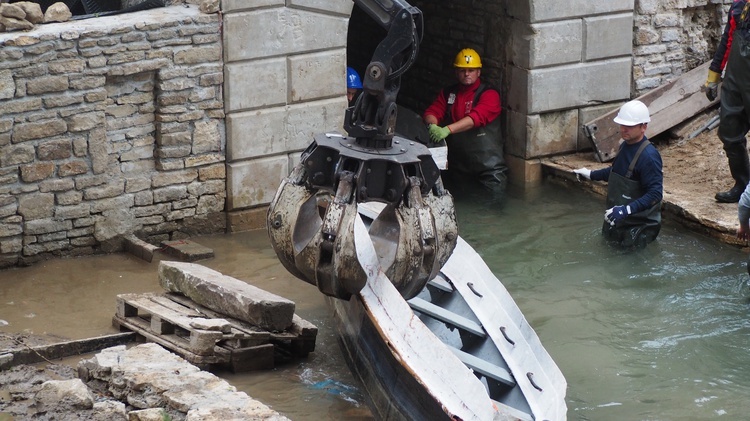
<point x="461" y="349"/>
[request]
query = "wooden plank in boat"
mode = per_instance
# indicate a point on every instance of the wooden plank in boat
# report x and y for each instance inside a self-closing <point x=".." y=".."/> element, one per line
<point x="485" y="368"/>
<point x="446" y="316"/>
<point x="513" y="412"/>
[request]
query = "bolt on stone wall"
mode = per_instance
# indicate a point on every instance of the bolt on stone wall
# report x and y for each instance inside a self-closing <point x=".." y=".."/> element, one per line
<point x="110" y="126"/>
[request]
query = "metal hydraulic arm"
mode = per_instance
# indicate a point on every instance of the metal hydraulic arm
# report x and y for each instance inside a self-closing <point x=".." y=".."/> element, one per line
<point x="311" y="219"/>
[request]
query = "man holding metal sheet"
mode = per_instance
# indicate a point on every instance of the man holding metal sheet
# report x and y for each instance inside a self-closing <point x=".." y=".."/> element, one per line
<point x="635" y="182"/>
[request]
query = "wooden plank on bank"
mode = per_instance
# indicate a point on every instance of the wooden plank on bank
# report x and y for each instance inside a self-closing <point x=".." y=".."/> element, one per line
<point x="37" y="354"/>
<point x="669" y="105"/>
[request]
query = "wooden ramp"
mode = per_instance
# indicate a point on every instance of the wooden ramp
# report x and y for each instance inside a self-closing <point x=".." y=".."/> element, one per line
<point x="207" y="338"/>
<point x="669" y="105"/>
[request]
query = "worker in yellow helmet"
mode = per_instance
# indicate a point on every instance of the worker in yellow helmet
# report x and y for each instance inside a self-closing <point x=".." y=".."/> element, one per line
<point x="467" y="115"/>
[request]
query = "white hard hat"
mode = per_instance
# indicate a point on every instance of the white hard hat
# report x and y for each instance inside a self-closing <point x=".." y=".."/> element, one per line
<point x="633" y="113"/>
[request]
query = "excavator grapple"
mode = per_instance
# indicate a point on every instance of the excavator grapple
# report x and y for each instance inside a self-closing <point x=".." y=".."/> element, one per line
<point x="311" y="219"/>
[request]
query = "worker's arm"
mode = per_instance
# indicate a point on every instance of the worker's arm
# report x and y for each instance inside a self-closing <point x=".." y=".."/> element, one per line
<point x="430" y="119"/>
<point x="438" y="133"/>
<point x="727" y="37"/>
<point x="466" y="123"/>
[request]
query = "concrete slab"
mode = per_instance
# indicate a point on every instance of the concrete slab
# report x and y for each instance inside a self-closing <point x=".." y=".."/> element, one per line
<point x="186" y="250"/>
<point x="230" y="296"/>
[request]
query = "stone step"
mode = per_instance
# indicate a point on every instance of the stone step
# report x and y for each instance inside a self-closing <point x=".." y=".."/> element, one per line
<point x="186" y="250"/>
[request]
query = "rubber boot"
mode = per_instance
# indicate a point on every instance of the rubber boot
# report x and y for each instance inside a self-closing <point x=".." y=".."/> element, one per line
<point x="739" y="167"/>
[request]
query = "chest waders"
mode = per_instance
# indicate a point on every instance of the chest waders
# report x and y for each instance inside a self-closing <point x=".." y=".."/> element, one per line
<point x="476" y="155"/>
<point x="638" y="229"/>
<point x="734" y="113"/>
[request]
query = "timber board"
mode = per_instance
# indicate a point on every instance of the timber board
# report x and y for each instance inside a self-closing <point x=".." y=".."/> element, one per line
<point x="669" y="105"/>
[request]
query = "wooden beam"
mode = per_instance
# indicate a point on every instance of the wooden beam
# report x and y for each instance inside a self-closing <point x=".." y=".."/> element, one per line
<point x="669" y="105"/>
<point x="37" y="354"/>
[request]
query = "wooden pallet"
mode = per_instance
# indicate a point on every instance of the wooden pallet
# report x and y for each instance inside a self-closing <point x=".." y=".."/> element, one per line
<point x="171" y="321"/>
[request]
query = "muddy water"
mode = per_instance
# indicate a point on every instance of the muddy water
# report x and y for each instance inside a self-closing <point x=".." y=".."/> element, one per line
<point x="659" y="334"/>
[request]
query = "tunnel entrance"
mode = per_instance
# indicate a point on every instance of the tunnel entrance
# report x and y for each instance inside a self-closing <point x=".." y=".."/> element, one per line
<point x="556" y="67"/>
<point x="448" y="28"/>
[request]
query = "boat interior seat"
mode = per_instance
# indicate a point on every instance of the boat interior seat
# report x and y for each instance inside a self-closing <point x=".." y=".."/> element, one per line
<point x="485" y="368"/>
<point x="447" y="316"/>
<point x="440" y="283"/>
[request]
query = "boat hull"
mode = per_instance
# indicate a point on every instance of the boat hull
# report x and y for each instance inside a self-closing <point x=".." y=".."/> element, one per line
<point x="393" y="391"/>
<point x="496" y="369"/>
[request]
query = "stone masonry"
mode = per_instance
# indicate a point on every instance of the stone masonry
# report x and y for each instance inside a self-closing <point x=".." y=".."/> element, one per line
<point x="169" y="123"/>
<point x="673" y="38"/>
<point x="284" y="82"/>
<point x="560" y="64"/>
<point x="110" y="126"/>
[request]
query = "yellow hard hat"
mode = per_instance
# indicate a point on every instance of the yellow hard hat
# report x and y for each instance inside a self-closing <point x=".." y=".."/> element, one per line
<point x="468" y="58"/>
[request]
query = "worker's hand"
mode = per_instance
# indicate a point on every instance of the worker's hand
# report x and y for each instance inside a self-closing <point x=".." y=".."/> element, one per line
<point x="583" y="172"/>
<point x="711" y="87"/>
<point x="438" y="133"/>
<point x="744" y="232"/>
<point x="616" y="214"/>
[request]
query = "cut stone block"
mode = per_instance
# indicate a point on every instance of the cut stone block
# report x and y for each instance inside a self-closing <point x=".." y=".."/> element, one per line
<point x="187" y="250"/>
<point x="139" y="248"/>
<point x="227" y="295"/>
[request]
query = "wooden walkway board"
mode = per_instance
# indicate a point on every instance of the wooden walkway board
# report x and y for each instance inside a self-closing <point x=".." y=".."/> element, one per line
<point x="669" y="105"/>
<point x="169" y="320"/>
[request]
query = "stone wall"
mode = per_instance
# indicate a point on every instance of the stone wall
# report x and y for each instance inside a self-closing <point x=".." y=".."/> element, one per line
<point x="560" y="64"/>
<point x="110" y="126"/>
<point x="117" y="125"/>
<point x="284" y="81"/>
<point x="672" y="38"/>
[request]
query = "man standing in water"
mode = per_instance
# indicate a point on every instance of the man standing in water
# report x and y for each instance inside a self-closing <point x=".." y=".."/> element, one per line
<point x="635" y="182"/>
<point x="467" y="115"/>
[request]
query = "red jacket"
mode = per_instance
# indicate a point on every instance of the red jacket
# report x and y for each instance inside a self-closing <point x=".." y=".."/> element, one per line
<point x="484" y="112"/>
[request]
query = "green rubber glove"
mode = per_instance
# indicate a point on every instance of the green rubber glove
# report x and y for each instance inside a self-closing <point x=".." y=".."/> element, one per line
<point x="711" y="88"/>
<point x="438" y="133"/>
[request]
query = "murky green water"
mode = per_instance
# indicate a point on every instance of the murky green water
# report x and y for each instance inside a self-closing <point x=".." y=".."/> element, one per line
<point x="658" y="334"/>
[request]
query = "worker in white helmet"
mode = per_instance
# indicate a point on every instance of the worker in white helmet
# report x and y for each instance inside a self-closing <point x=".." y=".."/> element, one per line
<point x="635" y="182"/>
